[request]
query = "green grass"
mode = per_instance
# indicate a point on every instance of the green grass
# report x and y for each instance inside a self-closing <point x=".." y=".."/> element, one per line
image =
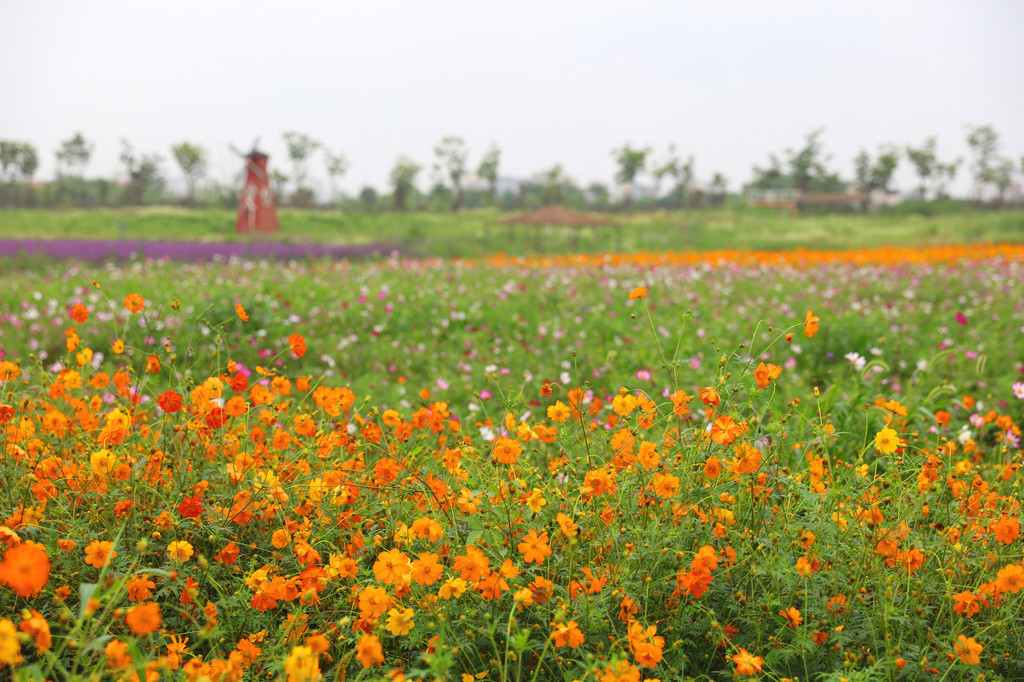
<point x="476" y="232"/>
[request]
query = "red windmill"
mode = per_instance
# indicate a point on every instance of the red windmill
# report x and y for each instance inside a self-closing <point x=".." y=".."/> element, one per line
<point x="256" y="209"/>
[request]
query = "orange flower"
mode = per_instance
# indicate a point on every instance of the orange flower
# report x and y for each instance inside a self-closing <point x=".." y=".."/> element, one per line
<point x="99" y="552"/>
<point x="966" y="604"/>
<point x="373" y="601"/>
<point x="507" y="450"/>
<point x="567" y="634"/>
<point x="369" y="651"/>
<point x="639" y="292"/>
<point x="144" y="619"/>
<point x="811" y="324"/>
<point x="968" y="650"/>
<point x="566" y="524"/>
<point x="298" y="344"/>
<point x="473" y="565"/>
<point x="240" y="311"/>
<point x="153" y="364"/>
<point x="746" y="461"/>
<point x="391" y="567"/>
<point x="535" y="547"/>
<point x="79" y="313"/>
<point x="764" y="375"/>
<point x="623" y="671"/>
<point x="645" y="644"/>
<point x="1010" y="578"/>
<point x="792" y="617"/>
<point x="139" y="588"/>
<point x="725" y="430"/>
<point x="1006" y="530"/>
<point x="426" y="570"/>
<point x="134" y="303"/>
<point x="38" y="629"/>
<point x="746" y="663"/>
<point x="712" y="467"/>
<point x="25" y="569"/>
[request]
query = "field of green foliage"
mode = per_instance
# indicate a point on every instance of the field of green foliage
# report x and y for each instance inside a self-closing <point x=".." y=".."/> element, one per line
<point x="476" y="232"/>
<point x="676" y="465"/>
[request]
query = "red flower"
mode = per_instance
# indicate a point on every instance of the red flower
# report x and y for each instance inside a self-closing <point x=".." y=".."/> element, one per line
<point x="191" y="507"/>
<point x="79" y="313"/>
<point x="169" y="402"/>
<point x="216" y="418"/>
<point x="298" y="344"/>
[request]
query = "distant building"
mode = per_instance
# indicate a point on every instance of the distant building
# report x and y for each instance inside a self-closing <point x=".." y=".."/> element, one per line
<point x="795" y="200"/>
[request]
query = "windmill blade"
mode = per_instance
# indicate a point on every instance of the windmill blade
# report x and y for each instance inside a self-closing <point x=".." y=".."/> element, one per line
<point x="249" y="162"/>
<point x="256" y="169"/>
<point x="255" y="143"/>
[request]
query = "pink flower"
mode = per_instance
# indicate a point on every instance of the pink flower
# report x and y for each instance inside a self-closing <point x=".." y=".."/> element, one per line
<point x="960" y="318"/>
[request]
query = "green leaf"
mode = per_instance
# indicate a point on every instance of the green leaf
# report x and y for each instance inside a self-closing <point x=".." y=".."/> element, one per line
<point x="85" y="592"/>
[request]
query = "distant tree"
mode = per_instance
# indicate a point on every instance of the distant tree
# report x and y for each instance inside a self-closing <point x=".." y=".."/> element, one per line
<point x="368" y="196"/>
<point x="403" y="181"/>
<point x="631" y="163"/>
<point x="1002" y="176"/>
<point x="488" y="170"/>
<point x="279" y="181"/>
<point x="73" y="156"/>
<point x="983" y="141"/>
<point x="554" y="181"/>
<point x="772" y="176"/>
<point x="192" y="160"/>
<point x="451" y="156"/>
<point x="682" y="173"/>
<point x="597" y="195"/>
<point x="300" y="148"/>
<point x="945" y="173"/>
<point x="28" y="162"/>
<point x="665" y="170"/>
<point x="876" y="174"/>
<point x="719" y="187"/>
<point x="807" y="164"/>
<point x="9" y="152"/>
<point x="337" y="165"/>
<point x="925" y="162"/>
<point x="440" y="195"/>
<point x="143" y="172"/>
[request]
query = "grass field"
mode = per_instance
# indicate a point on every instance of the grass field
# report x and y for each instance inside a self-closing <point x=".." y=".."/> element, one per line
<point x="787" y="464"/>
<point x="473" y="233"/>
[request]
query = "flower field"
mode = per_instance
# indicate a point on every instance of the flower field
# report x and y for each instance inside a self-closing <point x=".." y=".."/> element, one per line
<point x="717" y="465"/>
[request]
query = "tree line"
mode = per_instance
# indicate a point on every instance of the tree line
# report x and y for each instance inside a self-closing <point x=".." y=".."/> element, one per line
<point x="643" y="178"/>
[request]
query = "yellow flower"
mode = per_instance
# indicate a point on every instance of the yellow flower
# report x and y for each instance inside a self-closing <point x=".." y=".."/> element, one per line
<point x="536" y="500"/>
<point x="10" y="647"/>
<point x="302" y="665"/>
<point x="102" y="462"/>
<point x="455" y="587"/>
<point x="400" y="622"/>
<point x="887" y="441"/>
<point x="180" y="550"/>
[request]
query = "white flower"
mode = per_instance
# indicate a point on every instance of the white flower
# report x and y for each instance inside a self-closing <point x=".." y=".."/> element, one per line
<point x="964" y="435"/>
<point x="1018" y="389"/>
<point x="856" y="360"/>
<point x="487" y="433"/>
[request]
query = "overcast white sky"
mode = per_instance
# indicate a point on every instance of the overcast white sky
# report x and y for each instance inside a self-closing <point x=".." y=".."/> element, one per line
<point x="549" y="82"/>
